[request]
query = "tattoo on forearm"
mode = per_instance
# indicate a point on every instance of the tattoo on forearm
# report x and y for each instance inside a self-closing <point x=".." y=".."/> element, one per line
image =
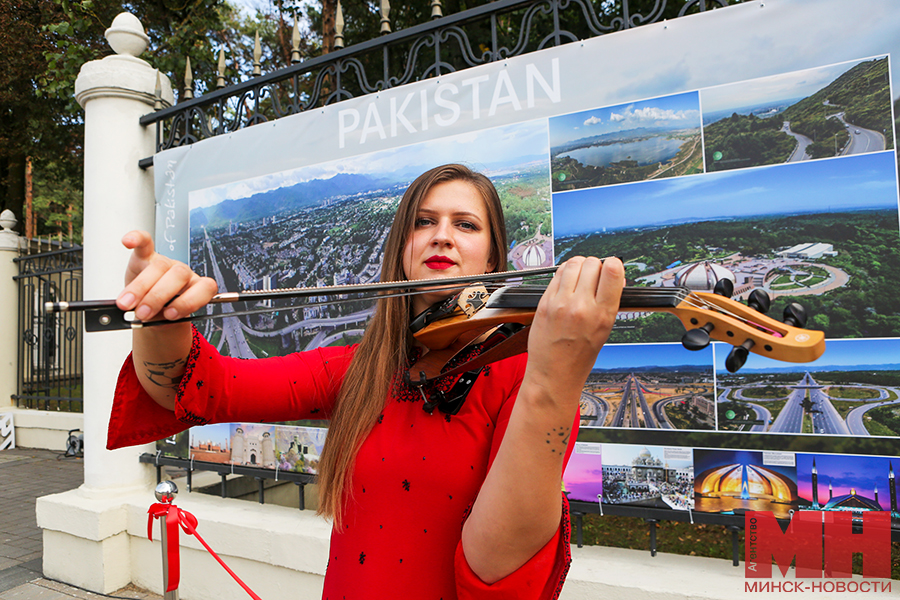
<point x="558" y="439"/>
<point x="165" y="375"/>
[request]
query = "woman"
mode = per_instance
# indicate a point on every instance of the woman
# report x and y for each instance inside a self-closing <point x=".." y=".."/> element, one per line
<point x="424" y="505"/>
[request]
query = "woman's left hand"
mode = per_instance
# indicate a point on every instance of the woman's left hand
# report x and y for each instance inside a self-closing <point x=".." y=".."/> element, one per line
<point x="511" y="519"/>
<point x="572" y="322"/>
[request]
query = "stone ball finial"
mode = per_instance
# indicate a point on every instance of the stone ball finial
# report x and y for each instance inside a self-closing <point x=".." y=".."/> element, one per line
<point x="126" y="35"/>
<point x="7" y="220"/>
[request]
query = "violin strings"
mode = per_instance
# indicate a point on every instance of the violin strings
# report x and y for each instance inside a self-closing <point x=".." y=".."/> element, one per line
<point x="702" y="303"/>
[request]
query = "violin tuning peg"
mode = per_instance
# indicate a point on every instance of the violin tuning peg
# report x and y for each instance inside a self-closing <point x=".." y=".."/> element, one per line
<point x="724" y="287"/>
<point x="759" y="301"/>
<point x="795" y="315"/>
<point x="697" y="339"/>
<point x="738" y="356"/>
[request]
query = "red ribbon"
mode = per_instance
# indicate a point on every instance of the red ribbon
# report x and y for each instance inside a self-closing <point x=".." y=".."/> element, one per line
<point x="174" y="517"/>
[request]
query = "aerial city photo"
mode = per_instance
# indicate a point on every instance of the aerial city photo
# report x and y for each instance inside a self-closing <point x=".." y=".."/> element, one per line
<point x="326" y="225"/>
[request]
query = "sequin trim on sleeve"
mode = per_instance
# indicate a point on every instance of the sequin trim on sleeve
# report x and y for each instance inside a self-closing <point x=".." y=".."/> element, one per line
<point x="187" y="416"/>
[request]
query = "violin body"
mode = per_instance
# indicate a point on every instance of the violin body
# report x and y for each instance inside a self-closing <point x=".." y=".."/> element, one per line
<point x="704" y="315"/>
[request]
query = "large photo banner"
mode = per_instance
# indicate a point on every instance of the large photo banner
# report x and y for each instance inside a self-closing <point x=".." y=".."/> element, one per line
<point x="753" y="144"/>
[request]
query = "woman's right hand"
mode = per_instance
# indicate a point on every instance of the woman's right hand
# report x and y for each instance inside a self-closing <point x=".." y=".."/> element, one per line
<point x="152" y="282"/>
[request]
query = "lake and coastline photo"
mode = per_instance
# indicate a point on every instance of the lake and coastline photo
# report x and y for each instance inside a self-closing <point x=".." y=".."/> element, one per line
<point x="650" y="139"/>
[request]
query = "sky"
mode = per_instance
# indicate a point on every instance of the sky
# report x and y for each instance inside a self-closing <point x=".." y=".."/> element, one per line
<point x="584" y="476"/>
<point x="766" y="90"/>
<point x="217" y="434"/>
<point x="849" y="183"/>
<point x="680" y="111"/>
<point x="847" y="353"/>
<point x="481" y="150"/>
<point x="615" y="356"/>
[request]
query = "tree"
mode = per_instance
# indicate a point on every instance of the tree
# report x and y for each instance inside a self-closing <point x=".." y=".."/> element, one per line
<point x="45" y="43"/>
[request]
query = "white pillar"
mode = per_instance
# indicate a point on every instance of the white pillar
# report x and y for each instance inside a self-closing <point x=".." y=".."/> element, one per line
<point x="86" y="542"/>
<point x="118" y="197"/>
<point x="9" y="308"/>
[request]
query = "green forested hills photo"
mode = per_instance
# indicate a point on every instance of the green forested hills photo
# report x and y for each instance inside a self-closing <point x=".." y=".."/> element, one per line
<point x="829" y="118"/>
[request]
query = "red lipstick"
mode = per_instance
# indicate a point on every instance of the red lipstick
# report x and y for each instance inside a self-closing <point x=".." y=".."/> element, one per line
<point x="438" y="263"/>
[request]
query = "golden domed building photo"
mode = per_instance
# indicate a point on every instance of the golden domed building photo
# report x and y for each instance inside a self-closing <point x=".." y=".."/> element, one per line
<point x="732" y="481"/>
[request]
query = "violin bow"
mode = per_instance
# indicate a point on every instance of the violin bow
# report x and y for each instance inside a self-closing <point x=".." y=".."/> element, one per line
<point x="104" y="315"/>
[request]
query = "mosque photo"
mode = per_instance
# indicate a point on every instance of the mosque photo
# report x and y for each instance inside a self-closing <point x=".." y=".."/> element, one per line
<point x="651" y="476"/>
<point x="855" y="484"/>
<point x="211" y="443"/>
<point x="735" y="481"/>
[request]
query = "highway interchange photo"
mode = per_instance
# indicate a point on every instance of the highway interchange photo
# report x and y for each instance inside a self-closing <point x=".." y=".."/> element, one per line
<point x="814" y="403"/>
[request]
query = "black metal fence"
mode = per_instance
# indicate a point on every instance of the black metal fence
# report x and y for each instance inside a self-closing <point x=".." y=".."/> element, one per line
<point x="50" y="347"/>
<point x="488" y="33"/>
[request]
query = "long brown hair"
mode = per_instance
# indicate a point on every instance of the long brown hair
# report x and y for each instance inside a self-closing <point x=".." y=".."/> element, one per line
<point x="385" y="346"/>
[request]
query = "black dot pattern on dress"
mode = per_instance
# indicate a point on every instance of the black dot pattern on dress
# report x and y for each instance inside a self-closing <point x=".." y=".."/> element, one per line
<point x="380" y="418"/>
<point x="362" y="557"/>
<point x="199" y="384"/>
<point x="406" y="485"/>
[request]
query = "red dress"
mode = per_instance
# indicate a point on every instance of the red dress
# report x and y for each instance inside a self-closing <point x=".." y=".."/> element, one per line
<point x="415" y="477"/>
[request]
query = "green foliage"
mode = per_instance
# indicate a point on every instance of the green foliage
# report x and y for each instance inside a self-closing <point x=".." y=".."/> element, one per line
<point x="746" y="141"/>
<point x="58" y="205"/>
<point x="526" y="206"/>
<point x="888" y="417"/>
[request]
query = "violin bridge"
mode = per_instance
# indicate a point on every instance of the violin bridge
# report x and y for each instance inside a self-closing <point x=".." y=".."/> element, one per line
<point x="472" y="299"/>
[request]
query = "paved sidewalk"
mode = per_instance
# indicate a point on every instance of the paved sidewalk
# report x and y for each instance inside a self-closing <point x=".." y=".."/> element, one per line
<point x="25" y="475"/>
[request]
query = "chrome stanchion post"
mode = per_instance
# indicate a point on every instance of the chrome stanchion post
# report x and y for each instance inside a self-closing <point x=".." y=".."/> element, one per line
<point x="165" y="493"/>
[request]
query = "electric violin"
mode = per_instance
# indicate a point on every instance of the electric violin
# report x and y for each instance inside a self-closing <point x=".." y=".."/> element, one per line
<point x="500" y="318"/>
<point x="448" y="328"/>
